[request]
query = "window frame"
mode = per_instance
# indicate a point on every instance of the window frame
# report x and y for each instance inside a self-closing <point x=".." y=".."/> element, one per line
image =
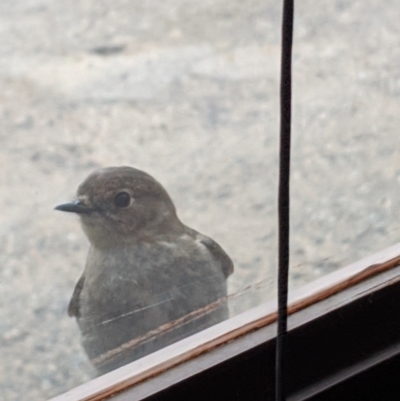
<point x="243" y="346"/>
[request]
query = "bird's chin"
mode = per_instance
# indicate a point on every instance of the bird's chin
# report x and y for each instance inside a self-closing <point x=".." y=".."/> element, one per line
<point x="98" y="230"/>
<point x="90" y="220"/>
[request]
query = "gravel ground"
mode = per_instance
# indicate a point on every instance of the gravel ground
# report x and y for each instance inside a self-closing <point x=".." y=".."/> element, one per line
<point x="187" y="91"/>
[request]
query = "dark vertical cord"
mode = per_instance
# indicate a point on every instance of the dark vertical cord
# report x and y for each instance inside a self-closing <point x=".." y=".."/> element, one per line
<point x="284" y="196"/>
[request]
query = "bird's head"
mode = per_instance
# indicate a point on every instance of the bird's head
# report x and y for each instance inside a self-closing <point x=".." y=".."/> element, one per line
<point x="122" y="204"/>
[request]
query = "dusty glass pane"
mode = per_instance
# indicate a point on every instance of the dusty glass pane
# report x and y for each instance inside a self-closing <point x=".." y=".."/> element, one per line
<point x="346" y="147"/>
<point x="187" y="92"/>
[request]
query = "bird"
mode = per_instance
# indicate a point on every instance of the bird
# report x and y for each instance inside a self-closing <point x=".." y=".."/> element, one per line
<point x="149" y="280"/>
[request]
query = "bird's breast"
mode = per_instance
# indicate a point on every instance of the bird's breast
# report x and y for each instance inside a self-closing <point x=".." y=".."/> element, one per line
<point x="164" y="277"/>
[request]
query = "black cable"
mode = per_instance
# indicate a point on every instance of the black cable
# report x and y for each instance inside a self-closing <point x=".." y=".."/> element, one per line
<point x="284" y="196"/>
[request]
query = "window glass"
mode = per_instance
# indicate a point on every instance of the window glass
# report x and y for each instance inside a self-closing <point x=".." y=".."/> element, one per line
<point x="345" y="177"/>
<point x="187" y="92"/>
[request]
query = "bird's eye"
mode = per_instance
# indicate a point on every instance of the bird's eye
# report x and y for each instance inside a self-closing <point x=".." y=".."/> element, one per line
<point x="123" y="199"/>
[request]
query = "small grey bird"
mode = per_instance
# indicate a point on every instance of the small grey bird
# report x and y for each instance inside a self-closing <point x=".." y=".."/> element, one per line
<point x="149" y="280"/>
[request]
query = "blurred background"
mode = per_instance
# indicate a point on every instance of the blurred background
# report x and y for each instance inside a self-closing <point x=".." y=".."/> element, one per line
<point x="188" y="92"/>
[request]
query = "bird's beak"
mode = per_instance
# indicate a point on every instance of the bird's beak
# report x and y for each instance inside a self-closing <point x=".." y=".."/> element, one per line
<point x="74" y="207"/>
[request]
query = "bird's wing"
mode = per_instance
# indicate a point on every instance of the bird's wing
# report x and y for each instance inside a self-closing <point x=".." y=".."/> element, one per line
<point x="217" y="252"/>
<point x="74" y="304"/>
